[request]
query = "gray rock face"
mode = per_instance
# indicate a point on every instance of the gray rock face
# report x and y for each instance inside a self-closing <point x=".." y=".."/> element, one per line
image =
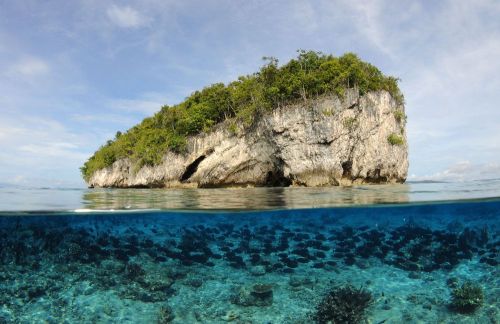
<point x="322" y="142"/>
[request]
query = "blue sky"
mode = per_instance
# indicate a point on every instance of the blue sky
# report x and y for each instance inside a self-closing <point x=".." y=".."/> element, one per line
<point x="72" y="73"/>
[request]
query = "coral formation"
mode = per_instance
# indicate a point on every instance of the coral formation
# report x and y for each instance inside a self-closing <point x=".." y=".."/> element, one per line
<point x="262" y="291"/>
<point x="165" y="315"/>
<point x="257" y="295"/>
<point x="343" y="305"/>
<point x="467" y="298"/>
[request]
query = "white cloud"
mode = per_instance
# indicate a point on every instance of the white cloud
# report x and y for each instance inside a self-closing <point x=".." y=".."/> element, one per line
<point x="102" y="118"/>
<point x="126" y="17"/>
<point x="464" y="170"/>
<point x="36" y="142"/>
<point x="7" y="131"/>
<point x="490" y="170"/>
<point x="55" y="149"/>
<point x="30" y="67"/>
<point x="303" y="13"/>
<point x="470" y="69"/>
<point x="128" y="105"/>
<point x="368" y="13"/>
<point x="147" y="104"/>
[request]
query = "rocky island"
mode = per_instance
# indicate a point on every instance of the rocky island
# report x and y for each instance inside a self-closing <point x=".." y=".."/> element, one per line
<point x="318" y="120"/>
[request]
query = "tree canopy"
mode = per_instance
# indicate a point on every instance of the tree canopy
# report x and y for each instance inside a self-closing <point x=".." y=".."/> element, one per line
<point x="309" y="75"/>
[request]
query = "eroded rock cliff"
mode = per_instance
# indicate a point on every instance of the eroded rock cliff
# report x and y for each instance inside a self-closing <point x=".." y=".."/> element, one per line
<point x="321" y="142"/>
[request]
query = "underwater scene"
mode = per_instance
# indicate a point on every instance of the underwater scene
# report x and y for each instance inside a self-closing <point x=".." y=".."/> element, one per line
<point x="382" y="254"/>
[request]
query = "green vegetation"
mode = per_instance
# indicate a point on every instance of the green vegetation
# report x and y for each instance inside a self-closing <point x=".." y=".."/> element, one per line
<point x="350" y="123"/>
<point x="400" y="116"/>
<point x="328" y="112"/>
<point x="233" y="128"/>
<point x="468" y="298"/>
<point x="309" y="75"/>
<point x="395" y="139"/>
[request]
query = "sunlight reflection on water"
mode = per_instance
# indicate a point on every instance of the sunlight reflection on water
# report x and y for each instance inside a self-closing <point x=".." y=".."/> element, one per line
<point x="20" y="199"/>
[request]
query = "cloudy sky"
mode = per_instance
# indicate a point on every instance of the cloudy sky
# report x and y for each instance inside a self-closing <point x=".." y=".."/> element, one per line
<point x="72" y="73"/>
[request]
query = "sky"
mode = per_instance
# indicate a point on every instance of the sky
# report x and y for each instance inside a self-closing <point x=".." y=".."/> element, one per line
<point x="72" y="73"/>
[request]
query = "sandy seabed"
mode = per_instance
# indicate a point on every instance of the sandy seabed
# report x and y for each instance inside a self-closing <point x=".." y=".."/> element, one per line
<point x="200" y="269"/>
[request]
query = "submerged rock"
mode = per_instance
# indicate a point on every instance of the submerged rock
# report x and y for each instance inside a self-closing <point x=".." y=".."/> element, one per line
<point x="165" y="315"/>
<point x="321" y="142"/>
<point x="258" y="270"/>
<point x="257" y="295"/>
<point x="297" y="282"/>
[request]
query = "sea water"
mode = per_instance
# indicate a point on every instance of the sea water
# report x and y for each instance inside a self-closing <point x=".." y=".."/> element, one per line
<point x="253" y="255"/>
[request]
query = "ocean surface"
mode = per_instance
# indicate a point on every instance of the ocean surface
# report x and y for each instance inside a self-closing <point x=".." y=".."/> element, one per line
<point x="423" y="252"/>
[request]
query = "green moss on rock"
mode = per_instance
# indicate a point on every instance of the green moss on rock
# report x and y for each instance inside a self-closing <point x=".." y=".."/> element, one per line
<point x="395" y="139"/>
<point x="400" y="116"/>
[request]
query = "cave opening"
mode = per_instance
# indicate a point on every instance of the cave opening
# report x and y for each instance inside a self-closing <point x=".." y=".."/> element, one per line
<point x="277" y="179"/>
<point x="346" y="169"/>
<point x="191" y="169"/>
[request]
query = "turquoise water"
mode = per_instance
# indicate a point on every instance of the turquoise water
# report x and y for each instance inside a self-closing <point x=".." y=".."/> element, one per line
<point x="267" y="255"/>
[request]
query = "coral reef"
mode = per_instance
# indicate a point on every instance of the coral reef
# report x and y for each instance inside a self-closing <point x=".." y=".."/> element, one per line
<point x="343" y="305"/>
<point x="467" y="298"/>
<point x="265" y="268"/>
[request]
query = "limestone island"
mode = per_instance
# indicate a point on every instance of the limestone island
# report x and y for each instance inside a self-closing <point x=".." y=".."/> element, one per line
<point x="318" y="120"/>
